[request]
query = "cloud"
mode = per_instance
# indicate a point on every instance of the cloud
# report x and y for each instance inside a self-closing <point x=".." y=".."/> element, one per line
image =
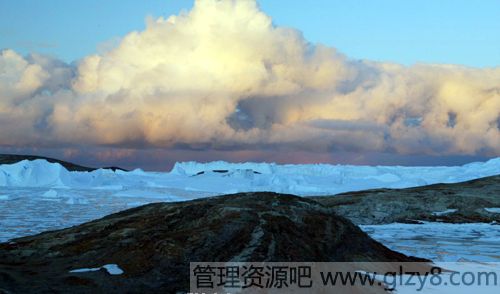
<point x="223" y="77"/>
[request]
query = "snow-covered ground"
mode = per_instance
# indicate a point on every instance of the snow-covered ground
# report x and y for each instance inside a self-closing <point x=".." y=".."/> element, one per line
<point x="37" y="196"/>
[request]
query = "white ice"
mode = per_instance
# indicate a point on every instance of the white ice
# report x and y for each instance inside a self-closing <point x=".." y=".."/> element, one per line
<point x="444" y="212"/>
<point x="493" y="209"/>
<point x="112" y="269"/>
<point x="222" y="177"/>
<point x="443" y="242"/>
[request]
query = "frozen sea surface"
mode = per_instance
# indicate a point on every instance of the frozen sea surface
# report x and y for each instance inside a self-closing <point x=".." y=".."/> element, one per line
<point x="33" y="210"/>
<point x="25" y="213"/>
<point x="441" y="241"/>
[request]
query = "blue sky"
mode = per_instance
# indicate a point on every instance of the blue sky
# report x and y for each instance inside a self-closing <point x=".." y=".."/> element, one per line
<point x="445" y="31"/>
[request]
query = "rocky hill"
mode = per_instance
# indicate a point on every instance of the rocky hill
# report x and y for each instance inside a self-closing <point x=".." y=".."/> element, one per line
<point x="154" y="244"/>
<point x="467" y="202"/>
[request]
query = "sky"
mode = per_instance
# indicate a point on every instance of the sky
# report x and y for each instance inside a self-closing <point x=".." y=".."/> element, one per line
<point x="446" y="31"/>
<point x="147" y="83"/>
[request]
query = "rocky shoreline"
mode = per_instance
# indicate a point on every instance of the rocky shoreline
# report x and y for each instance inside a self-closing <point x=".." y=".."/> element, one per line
<point x="473" y="201"/>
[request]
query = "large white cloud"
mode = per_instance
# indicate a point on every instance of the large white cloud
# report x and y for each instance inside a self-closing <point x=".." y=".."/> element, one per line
<point x="224" y="77"/>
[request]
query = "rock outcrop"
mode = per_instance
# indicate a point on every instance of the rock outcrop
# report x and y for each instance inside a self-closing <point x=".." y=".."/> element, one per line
<point x="468" y="202"/>
<point x="154" y="244"/>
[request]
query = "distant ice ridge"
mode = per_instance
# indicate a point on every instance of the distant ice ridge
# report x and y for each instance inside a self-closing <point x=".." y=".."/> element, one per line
<point x="489" y="167"/>
<point x="327" y="179"/>
<point x="203" y="179"/>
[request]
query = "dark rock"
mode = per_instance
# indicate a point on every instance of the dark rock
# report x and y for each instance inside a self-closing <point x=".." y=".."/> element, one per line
<point x="154" y="244"/>
<point x="382" y="206"/>
<point x="225" y="171"/>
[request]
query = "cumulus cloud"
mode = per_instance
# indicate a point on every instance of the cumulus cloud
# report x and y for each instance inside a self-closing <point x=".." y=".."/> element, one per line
<point x="223" y="77"/>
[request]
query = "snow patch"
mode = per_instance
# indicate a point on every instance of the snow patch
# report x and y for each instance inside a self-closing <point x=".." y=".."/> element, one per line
<point x="444" y="212"/>
<point x="112" y="269"/>
<point x="85" y="270"/>
<point x="493" y="209"/>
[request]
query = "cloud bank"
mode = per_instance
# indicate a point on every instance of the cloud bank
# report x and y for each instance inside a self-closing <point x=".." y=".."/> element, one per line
<point x="223" y="77"/>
